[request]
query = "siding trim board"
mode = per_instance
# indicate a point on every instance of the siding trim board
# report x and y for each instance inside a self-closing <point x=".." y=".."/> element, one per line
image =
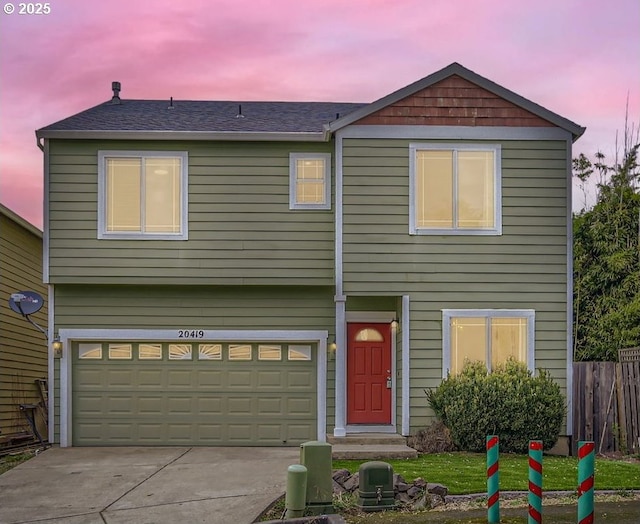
<point x="50" y="363"/>
<point x="67" y="336"/>
<point x="45" y="218"/>
<point x="569" y="395"/>
<point x="406" y="365"/>
<point x="454" y="132"/>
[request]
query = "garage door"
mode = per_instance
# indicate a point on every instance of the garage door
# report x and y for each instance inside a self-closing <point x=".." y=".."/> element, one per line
<point x="204" y="393"/>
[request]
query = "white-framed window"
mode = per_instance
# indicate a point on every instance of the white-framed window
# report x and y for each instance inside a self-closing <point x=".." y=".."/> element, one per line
<point x="142" y="195"/>
<point x="455" y="189"/>
<point x="309" y="181"/>
<point x="488" y="335"/>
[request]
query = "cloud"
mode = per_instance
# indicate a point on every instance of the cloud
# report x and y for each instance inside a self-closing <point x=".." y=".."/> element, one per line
<point x="578" y="58"/>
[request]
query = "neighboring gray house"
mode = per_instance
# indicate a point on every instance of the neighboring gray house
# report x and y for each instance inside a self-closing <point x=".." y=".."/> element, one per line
<point x="265" y="273"/>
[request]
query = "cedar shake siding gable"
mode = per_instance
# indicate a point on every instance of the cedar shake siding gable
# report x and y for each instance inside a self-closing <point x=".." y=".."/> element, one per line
<point x="454" y="101"/>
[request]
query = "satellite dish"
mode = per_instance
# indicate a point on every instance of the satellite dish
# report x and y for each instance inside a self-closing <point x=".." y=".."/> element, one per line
<point x="26" y="302"/>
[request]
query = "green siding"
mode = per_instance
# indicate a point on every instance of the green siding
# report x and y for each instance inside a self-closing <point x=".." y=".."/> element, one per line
<point x="23" y="349"/>
<point x="239" y="218"/>
<point x="524" y="268"/>
<point x="199" y="307"/>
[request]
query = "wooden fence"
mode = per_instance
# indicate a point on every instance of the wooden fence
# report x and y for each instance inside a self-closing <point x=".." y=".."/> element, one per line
<point x="606" y="403"/>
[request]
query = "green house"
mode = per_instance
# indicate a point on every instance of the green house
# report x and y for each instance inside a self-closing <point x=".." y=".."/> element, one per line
<point x="267" y="273"/>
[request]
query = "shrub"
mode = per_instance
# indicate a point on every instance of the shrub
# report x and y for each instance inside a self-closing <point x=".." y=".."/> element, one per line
<point x="509" y="402"/>
<point x="435" y="438"/>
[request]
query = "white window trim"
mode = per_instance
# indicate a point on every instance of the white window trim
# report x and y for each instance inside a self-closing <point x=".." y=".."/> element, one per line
<point x="103" y="234"/>
<point x="293" y="158"/>
<point x="448" y="314"/>
<point x="497" y="177"/>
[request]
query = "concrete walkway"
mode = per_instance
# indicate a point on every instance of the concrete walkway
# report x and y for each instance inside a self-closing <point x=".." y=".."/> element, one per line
<point x="142" y="485"/>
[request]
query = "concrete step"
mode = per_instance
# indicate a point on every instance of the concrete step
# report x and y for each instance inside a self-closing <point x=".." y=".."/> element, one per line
<point x="370" y="446"/>
<point x="371" y="452"/>
<point x="385" y="439"/>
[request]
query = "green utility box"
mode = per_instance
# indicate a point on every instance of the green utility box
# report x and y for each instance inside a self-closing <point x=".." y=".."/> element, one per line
<point x="316" y="457"/>
<point x="375" y="491"/>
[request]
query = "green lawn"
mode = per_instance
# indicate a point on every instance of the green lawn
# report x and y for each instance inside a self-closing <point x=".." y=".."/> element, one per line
<point x="466" y="472"/>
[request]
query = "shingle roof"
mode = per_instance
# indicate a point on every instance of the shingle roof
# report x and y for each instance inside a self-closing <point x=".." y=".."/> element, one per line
<point x="154" y="119"/>
<point x="206" y="116"/>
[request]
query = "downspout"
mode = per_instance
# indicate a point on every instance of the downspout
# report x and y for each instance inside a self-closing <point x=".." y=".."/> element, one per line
<point x="43" y="145"/>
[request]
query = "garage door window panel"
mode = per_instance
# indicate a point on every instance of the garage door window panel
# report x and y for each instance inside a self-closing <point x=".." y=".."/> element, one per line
<point x="210" y="352"/>
<point x="269" y="352"/>
<point x="120" y="352"/>
<point x="90" y="351"/>
<point x="180" y="352"/>
<point x="299" y="352"/>
<point x="240" y="352"/>
<point x="150" y="352"/>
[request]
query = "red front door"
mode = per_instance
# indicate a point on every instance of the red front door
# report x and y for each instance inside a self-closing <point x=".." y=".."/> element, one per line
<point x="369" y="373"/>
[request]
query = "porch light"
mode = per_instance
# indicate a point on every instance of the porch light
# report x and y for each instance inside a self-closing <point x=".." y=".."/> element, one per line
<point x="332" y="348"/>
<point x="56" y="345"/>
<point x="394" y="324"/>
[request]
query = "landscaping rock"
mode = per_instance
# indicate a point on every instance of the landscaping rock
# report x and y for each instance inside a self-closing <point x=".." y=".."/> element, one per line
<point x="352" y="483"/>
<point x="438" y="489"/>
<point x="417" y="495"/>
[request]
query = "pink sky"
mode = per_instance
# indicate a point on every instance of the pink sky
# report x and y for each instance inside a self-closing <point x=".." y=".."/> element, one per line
<point x="578" y="58"/>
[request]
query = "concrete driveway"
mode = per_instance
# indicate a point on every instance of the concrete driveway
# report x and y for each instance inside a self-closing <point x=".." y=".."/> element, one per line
<point x="142" y="485"/>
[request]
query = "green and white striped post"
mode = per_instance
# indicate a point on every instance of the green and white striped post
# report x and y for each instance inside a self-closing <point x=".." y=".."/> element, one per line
<point x="586" y="463"/>
<point x="493" y="480"/>
<point x="535" y="482"/>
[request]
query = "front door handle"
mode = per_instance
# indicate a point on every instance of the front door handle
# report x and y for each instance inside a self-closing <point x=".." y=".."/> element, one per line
<point x="388" y="382"/>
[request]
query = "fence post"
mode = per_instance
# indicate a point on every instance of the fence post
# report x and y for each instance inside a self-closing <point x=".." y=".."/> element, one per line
<point x="586" y="459"/>
<point x="493" y="480"/>
<point x="535" y="482"/>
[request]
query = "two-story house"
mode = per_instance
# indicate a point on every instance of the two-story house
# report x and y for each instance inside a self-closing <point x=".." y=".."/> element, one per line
<point x="265" y="273"/>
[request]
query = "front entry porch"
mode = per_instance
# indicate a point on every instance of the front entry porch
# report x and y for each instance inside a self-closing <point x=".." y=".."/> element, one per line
<point x="370" y="446"/>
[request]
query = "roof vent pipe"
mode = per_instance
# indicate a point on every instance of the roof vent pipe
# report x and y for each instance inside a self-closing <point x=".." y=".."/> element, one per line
<point x="239" y="115"/>
<point x="171" y="106"/>
<point x="116" y="92"/>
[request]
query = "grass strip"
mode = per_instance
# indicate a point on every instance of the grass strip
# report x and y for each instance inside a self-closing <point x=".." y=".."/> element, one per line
<point x="465" y="473"/>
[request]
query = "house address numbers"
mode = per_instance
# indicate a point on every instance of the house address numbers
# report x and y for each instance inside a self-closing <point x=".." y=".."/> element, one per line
<point x="190" y="333"/>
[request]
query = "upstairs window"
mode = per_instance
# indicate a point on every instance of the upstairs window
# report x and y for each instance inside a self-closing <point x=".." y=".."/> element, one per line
<point x="309" y="181"/>
<point x="455" y="189"/>
<point x="142" y="195"/>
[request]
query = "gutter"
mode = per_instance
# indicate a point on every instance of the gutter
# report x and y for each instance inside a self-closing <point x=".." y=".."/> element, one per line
<point x="184" y="135"/>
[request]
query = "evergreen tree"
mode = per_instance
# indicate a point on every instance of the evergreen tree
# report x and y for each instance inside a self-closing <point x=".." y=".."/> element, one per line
<point x="606" y="257"/>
